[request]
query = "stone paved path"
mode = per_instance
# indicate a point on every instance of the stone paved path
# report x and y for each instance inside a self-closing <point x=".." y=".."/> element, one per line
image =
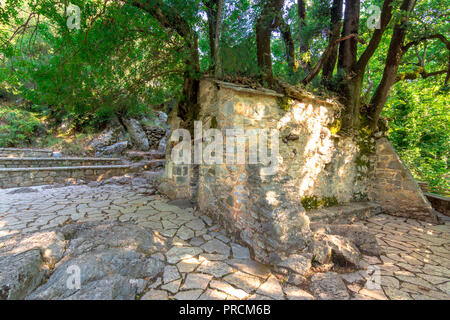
<point x="204" y="263"/>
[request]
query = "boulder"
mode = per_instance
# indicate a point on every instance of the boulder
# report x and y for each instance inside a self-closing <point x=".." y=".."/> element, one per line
<point x="114" y="261"/>
<point x="137" y="134"/>
<point x="162" y="146"/>
<point x="333" y="248"/>
<point x="25" y="262"/>
<point x="115" y="149"/>
<point x="167" y="189"/>
<point x="108" y="137"/>
<point x="358" y="234"/>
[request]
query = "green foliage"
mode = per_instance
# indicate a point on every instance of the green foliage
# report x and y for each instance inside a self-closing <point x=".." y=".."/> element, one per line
<point x="17" y="127"/>
<point x="419" y="118"/>
<point x="313" y="202"/>
<point x="123" y="61"/>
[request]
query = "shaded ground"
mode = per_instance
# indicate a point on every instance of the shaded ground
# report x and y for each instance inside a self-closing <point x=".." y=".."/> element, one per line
<point x="190" y="258"/>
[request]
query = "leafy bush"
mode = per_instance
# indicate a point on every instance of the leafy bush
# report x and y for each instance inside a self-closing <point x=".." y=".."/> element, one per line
<point x="17" y="127"/>
<point x="419" y="119"/>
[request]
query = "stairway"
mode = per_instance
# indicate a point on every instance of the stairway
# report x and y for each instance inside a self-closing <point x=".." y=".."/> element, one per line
<point x="34" y="167"/>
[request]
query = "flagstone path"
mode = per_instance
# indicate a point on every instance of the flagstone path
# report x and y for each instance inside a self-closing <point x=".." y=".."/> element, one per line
<point x="204" y="263"/>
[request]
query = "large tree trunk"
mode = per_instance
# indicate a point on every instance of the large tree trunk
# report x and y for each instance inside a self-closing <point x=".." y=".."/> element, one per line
<point x="290" y="46"/>
<point x="217" y="59"/>
<point x="348" y="48"/>
<point x="392" y="62"/>
<point x="350" y="86"/>
<point x="170" y="18"/>
<point x="330" y="63"/>
<point x="301" y="13"/>
<point x="211" y="12"/>
<point x="265" y="24"/>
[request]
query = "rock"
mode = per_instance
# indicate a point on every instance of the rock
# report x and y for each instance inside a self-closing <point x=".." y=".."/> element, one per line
<point x="167" y="189"/>
<point x="360" y="235"/>
<point x="352" y="277"/>
<point x="115" y="287"/>
<point x="188" y="295"/>
<point x="170" y="274"/>
<point x="243" y="281"/>
<point x="21" y="274"/>
<point x="196" y="281"/>
<point x="93" y="184"/>
<point x="111" y="135"/>
<point x="328" y="286"/>
<point x="155" y="295"/>
<point x="294" y="293"/>
<point x="296" y="279"/>
<point x="271" y="288"/>
<point x="112" y="260"/>
<point x="25" y="262"/>
<point x="228" y="289"/>
<point x="176" y="254"/>
<point x="162" y="146"/>
<point x="22" y="190"/>
<point x="57" y="154"/>
<point x="216" y="268"/>
<point x="154" y="135"/>
<point x="326" y="248"/>
<point x="162" y="118"/>
<point x="137" y="134"/>
<point x="115" y="149"/>
<point x="240" y="252"/>
<point x="216" y="246"/>
<point x="250" y="266"/>
<point x="297" y="263"/>
<point x="213" y="295"/>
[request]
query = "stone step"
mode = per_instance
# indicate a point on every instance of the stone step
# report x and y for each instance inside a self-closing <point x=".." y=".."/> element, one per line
<point x="145" y="155"/>
<point x="154" y="165"/>
<point x="23" y="152"/>
<point x="345" y="213"/>
<point x="56" y="162"/>
<point x="26" y="177"/>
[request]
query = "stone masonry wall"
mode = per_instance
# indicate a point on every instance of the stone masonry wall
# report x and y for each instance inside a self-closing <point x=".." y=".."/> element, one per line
<point x="394" y="187"/>
<point x="17" y="152"/>
<point x="316" y="166"/>
<point x="55" y="162"/>
<point x="25" y="177"/>
<point x="266" y="211"/>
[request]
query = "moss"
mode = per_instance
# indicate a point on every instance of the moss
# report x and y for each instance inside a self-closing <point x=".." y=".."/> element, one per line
<point x="335" y="126"/>
<point x="367" y="147"/>
<point x="214" y="123"/>
<point x="312" y="202"/>
<point x="284" y="103"/>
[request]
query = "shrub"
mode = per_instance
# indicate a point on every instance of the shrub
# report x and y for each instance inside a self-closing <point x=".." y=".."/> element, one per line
<point x="18" y="128"/>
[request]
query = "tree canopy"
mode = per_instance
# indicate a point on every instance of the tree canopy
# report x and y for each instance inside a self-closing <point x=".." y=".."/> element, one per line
<point x="383" y="59"/>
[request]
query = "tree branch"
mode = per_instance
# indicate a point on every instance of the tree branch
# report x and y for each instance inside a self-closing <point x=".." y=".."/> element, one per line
<point x="386" y="15"/>
<point x="332" y="44"/>
<point x="441" y="37"/>
<point x="418" y="73"/>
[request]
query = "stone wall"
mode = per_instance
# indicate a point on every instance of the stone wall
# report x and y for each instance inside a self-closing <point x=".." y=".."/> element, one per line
<point x="17" y="152"/>
<point x="25" y="177"/>
<point x="55" y="162"/>
<point x="317" y="166"/>
<point x="394" y="187"/>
